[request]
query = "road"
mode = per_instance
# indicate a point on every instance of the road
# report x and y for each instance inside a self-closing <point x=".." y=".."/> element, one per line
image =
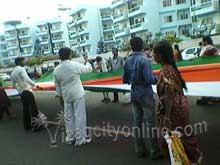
<point x="19" y="147"/>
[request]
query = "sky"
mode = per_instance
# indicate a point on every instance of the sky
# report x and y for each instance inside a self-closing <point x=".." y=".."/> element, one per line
<point x="31" y="11"/>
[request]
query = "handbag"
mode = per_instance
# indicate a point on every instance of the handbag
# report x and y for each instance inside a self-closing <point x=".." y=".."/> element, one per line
<point x="176" y="150"/>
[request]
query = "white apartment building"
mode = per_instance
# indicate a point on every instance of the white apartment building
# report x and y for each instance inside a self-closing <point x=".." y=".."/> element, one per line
<point x="107" y="33"/>
<point x="53" y="35"/>
<point x="206" y="16"/>
<point x="3" y="50"/>
<point x="20" y="39"/>
<point x="85" y="30"/>
<point x="175" y="18"/>
<point x="135" y="18"/>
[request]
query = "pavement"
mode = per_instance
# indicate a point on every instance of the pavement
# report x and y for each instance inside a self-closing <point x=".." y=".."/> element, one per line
<point x="19" y="147"/>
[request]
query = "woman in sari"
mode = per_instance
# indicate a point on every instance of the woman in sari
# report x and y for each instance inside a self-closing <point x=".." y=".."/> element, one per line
<point x="173" y="108"/>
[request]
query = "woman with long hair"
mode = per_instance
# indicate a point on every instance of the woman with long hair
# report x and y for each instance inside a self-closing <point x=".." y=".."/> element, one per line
<point x="173" y="108"/>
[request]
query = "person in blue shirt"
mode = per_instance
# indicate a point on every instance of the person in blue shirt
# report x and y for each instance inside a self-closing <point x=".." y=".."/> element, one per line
<point x="138" y="73"/>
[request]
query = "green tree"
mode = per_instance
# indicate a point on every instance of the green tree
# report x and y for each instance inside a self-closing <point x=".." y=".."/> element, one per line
<point x="173" y="39"/>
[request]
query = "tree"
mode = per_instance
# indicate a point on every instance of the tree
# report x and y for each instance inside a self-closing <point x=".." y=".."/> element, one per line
<point x="173" y="39"/>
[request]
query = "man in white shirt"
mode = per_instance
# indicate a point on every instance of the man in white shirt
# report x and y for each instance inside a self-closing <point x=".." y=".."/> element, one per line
<point x="23" y="84"/>
<point x="69" y="86"/>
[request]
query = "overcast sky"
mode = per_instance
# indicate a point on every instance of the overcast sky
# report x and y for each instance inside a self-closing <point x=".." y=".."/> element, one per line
<point x="37" y="10"/>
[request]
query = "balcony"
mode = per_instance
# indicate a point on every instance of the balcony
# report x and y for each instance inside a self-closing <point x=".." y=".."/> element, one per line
<point x="82" y="31"/>
<point x="107" y="29"/>
<point x="136" y="11"/>
<point x="84" y="43"/>
<point x="73" y="34"/>
<point x="24" y="35"/>
<point x="137" y="27"/>
<point x="41" y="33"/>
<point x="58" y="30"/>
<point x="117" y="3"/>
<point x="44" y="42"/>
<point x="120" y="17"/>
<point x="72" y="23"/>
<point x="8" y="38"/>
<point x="109" y="40"/>
<point x="106" y="17"/>
<point x="11" y="47"/>
<point x="26" y="45"/>
<point x="209" y="7"/>
<point x="122" y="32"/>
<point x="57" y="39"/>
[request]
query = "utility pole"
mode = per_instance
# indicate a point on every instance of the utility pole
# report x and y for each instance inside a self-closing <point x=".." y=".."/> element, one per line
<point x="50" y="38"/>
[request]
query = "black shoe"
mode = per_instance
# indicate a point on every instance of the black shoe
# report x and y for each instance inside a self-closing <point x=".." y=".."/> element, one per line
<point x="103" y="100"/>
<point x="107" y="100"/>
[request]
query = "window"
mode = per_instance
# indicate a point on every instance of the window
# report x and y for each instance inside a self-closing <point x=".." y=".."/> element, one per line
<point x="183" y="15"/>
<point x="185" y="31"/>
<point x="193" y="2"/>
<point x="168" y="19"/>
<point x="166" y="3"/>
<point x="208" y="21"/>
<point x="191" y="51"/>
<point x="180" y="2"/>
<point x="171" y="33"/>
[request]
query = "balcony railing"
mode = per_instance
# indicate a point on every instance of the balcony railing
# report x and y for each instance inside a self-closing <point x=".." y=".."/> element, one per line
<point x="131" y="10"/>
<point x="105" y="16"/>
<point x="136" y="25"/>
<point x="119" y="31"/>
<point x="118" y="15"/>
<point x="201" y="6"/>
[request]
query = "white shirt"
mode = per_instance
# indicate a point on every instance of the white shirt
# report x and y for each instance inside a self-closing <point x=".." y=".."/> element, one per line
<point x="100" y="66"/>
<point x="21" y="80"/>
<point x="67" y="79"/>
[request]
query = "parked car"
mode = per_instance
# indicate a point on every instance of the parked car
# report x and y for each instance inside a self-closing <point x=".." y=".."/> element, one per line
<point x="190" y="53"/>
<point x="5" y="77"/>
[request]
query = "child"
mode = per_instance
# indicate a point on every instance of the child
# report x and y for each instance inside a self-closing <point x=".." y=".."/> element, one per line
<point x="4" y="102"/>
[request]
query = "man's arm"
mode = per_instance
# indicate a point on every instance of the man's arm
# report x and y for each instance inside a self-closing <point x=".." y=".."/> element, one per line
<point x="80" y="68"/>
<point x="149" y="78"/>
<point x="26" y="77"/>
<point x="58" y="87"/>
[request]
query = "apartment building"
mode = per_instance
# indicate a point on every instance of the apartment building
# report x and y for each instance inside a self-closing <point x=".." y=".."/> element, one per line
<point x="53" y="35"/>
<point x="206" y="16"/>
<point x="3" y="50"/>
<point x="135" y="18"/>
<point x="107" y="31"/>
<point x="84" y="30"/>
<point x="20" y="39"/>
<point x="175" y="18"/>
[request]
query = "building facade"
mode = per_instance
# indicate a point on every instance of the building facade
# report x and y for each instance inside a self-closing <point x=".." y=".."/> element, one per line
<point x="19" y="39"/>
<point x="175" y="18"/>
<point x="135" y="18"/>
<point x="85" y="30"/>
<point x="52" y="35"/>
<point x="3" y="50"/>
<point x="107" y="30"/>
<point x="206" y="16"/>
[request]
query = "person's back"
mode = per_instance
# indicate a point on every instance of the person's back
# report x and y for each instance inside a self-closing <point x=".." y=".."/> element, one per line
<point x="70" y="81"/>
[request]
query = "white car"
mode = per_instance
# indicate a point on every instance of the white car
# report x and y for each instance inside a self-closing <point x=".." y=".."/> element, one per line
<point x="5" y="77"/>
<point x="190" y="53"/>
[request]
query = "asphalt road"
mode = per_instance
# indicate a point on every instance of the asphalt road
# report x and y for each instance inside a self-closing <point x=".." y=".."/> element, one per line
<point x="18" y="147"/>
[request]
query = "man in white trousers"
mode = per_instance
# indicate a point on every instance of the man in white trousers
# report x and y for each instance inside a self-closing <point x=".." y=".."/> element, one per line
<point x="69" y="87"/>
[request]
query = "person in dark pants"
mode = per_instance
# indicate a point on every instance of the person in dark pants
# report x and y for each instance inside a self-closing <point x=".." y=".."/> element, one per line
<point x="138" y="73"/>
<point x="4" y="102"/>
<point x="23" y="84"/>
<point x="116" y="63"/>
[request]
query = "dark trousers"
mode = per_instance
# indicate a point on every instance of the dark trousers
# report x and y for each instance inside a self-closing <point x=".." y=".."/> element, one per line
<point x="29" y="108"/>
<point x="4" y="109"/>
<point x="4" y="103"/>
<point x="115" y="96"/>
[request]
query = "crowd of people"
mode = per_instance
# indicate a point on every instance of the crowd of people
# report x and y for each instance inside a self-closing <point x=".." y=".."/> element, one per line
<point x="171" y="112"/>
